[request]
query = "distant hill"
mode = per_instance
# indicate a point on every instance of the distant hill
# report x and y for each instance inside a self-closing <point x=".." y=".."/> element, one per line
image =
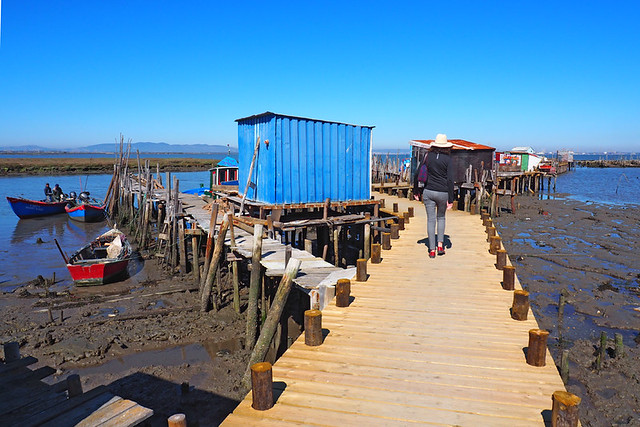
<point x="143" y="147"/>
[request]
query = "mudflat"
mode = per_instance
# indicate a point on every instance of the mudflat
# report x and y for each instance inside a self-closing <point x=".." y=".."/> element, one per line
<point x="587" y="252"/>
<point x="66" y="166"/>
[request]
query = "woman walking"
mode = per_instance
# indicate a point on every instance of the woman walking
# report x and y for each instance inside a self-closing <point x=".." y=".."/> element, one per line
<point x="435" y="180"/>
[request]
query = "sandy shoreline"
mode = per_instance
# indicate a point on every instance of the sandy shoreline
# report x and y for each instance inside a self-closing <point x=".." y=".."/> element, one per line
<point x="589" y="253"/>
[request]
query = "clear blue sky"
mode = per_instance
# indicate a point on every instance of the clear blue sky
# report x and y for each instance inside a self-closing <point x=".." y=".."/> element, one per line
<point x="542" y="73"/>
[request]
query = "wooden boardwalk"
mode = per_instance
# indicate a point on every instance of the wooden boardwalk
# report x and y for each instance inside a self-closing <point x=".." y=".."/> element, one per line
<point x="427" y="341"/>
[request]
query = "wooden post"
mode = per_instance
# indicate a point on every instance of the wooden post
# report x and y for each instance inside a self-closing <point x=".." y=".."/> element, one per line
<point x="177" y="420"/>
<point x="254" y="288"/>
<point x="508" y="277"/>
<point x="619" y="345"/>
<point x="367" y="240"/>
<point x="537" y="350"/>
<point x="602" y="350"/>
<point x="410" y="211"/>
<point x="472" y="209"/>
<point x="395" y="231"/>
<point x="495" y="243"/>
<point x="386" y="241"/>
<point x="376" y="253"/>
<point x="564" y="366"/>
<point x="336" y="248"/>
<point x="520" y="307"/>
<point x="325" y="208"/>
<point x="273" y="318"/>
<point x="501" y="258"/>
<point x="50" y="313"/>
<point x="308" y="246"/>
<point x="564" y="412"/>
<point x="343" y="292"/>
<point x="313" y="327"/>
<point x="213" y="267"/>
<point x="491" y="232"/>
<point x="382" y="202"/>
<point x="195" y="249"/>
<point x="182" y="246"/>
<point x="246" y="188"/>
<point x="261" y="386"/>
<point x="210" y="236"/>
<point x="361" y="270"/>
<point x="11" y="351"/>
<point x="400" y="223"/>
<point x="395" y="208"/>
<point x="74" y="386"/>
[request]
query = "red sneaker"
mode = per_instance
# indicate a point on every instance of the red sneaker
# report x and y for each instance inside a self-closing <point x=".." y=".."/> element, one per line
<point x="440" y="250"/>
<point x="432" y="254"/>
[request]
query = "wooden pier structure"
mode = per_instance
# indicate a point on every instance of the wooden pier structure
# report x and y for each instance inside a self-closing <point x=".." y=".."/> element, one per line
<point x="422" y="340"/>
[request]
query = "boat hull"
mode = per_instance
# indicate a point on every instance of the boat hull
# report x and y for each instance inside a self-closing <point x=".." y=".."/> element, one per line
<point x="97" y="273"/>
<point x="26" y="208"/>
<point x="86" y="213"/>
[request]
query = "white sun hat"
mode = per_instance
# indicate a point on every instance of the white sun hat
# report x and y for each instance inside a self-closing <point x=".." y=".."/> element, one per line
<point x="441" y="141"/>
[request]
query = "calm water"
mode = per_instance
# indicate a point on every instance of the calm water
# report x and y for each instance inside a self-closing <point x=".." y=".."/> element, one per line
<point x="21" y="258"/>
<point x="612" y="186"/>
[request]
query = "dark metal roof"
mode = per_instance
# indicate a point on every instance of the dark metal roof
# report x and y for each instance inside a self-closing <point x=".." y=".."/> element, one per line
<point x="269" y="113"/>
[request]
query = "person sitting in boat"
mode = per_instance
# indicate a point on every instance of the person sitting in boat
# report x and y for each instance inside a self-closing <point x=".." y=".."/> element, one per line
<point x="48" y="194"/>
<point x="57" y="193"/>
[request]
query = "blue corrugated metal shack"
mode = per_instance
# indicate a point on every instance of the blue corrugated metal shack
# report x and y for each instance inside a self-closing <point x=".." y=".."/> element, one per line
<point x="303" y="160"/>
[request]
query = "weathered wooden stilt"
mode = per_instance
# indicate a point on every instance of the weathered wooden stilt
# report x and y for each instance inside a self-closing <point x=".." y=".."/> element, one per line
<point x="261" y="386"/>
<point x="177" y="420"/>
<point x="195" y="266"/>
<point x="400" y="223"/>
<point x="395" y="231"/>
<point x="508" y="277"/>
<point x="213" y="267"/>
<point x="495" y="243"/>
<point x="254" y="288"/>
<point x="313" y="327"/>
<point x="386" y="241"/>
<point x="520" y="307"/>
<point x="406" y="216"/>
<point x="361" y="270"/>
<point x="537" y="349"/>
<point x="501" y="258"/>
<point x="564" y="412"/>
<point x="491" y="232"/>
<point x="343" y="292"/>
<point x="564" y="366"/>
<point x="376" y="250"/>
<point x="410" y="211"/>
<point x="395" y="208"/>
<point x="367" y="240"/>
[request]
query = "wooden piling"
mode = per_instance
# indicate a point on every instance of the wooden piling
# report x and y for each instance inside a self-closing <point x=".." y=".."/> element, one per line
<point x="400" y="223"/>
<point x="501" y="258"/>
<point x="367" y="240"/>
<point x="182" y="247"/>
<point x="336" y="247"/>
<point x="177" y="420"/>
<point x="11" y="351"/>
<point x="50" y="313"/>
<point x="508" y="277"/>
<point x="520" y="307"/>
<point x="195" y="266"/>
<point x="405" y="216"/>
<point x="395" y="207"/>
<point x="386" y="241"/>
<point x="376" y="253"/>
<point x="343" y="292"/>
<point x="564" y="366"/>
<point x="261" y="386"/>
<point x="564" y="412"/>
<point x="210" y="236"/>
<point x="313" y="327"/>
<point x="213" y="267"/>
<point x="273" y="318"/>
<point x="491" y="232"/>
<point x="537" y="349"/>
<point x="410" y="211"/>
<point x="619" y="345"/>
<point x="361" y="270"/>
<point x="602" y="350"/>
<point x="495" y="243"/>
<point x="395" y="231"/>
<point x="254" y="288"/>
<point x="74" y="386"/>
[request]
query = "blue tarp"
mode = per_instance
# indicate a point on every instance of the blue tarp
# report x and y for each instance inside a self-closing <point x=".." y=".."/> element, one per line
<point x="229" y="162"/>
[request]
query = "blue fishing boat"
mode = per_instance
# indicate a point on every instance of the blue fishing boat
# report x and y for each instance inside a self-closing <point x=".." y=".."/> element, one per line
<point x="85" y="212"/>
<point x="26" y="208"/>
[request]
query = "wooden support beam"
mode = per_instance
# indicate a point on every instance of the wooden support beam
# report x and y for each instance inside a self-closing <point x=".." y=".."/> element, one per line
<point x="254" y="288"/>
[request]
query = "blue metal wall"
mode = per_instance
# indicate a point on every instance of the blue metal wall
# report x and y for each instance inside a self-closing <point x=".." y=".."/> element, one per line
<point x="305" y="161"/>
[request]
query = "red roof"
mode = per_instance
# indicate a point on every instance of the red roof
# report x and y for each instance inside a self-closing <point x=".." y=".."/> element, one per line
<point x="458" y="144"/>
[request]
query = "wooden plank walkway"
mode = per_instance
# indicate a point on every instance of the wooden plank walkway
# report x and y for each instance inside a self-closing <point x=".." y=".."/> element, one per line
<point x="427" y="341"/>
<point x="316" y="277"/>
<point x="26" y="401"/>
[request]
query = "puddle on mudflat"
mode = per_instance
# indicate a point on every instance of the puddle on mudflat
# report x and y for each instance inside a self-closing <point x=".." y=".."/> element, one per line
<point x="173" y="356"/>
<point x="108" y="312"/>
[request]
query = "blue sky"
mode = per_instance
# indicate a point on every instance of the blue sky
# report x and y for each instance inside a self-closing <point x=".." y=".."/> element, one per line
<point x="540" y="73"/>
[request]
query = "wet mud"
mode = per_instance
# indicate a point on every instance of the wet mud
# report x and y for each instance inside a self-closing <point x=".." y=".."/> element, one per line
<point x="587" y="255"/>
<point x="144" y="338"/>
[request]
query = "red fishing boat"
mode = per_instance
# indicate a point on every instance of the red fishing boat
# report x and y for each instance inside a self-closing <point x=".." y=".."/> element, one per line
<point x="102" y="261"/>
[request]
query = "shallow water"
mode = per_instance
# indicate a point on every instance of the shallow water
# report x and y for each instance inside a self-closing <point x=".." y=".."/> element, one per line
<point x="22" y="257"/>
